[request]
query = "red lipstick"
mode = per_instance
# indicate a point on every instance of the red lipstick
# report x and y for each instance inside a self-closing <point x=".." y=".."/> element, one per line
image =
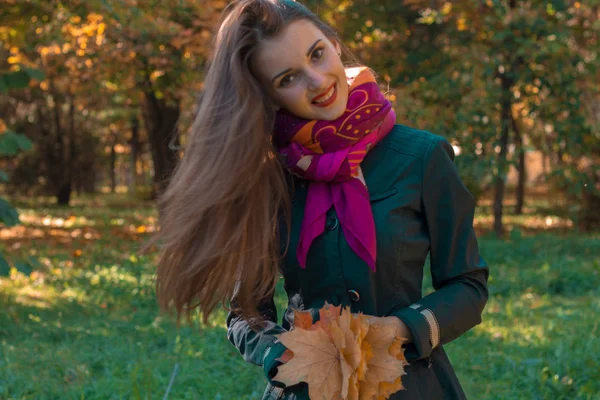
<point x="328" y="102"/>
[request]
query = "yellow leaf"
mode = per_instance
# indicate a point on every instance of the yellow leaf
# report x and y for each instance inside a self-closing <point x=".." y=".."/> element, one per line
<point x="343" y="355"/>
<point x="368" y="391"/>
<point x="353" y="388"/>
<point x="315" y="361"/>
<point x="386" y="389"/>
<point x="386" y="367"/>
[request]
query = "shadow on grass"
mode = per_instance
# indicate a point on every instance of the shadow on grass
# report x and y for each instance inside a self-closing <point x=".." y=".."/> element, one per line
<point x="67" y="347"/>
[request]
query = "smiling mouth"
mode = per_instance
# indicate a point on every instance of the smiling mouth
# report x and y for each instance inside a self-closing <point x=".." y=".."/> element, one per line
<point x="327" y="98"/>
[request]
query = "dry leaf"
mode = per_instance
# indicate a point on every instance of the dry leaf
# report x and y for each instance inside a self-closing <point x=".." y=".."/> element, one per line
<point x="343" y="355"/>
<point x="302" y="319"/>
<point x="388" y="357"/>
<point x="316" y="361"/>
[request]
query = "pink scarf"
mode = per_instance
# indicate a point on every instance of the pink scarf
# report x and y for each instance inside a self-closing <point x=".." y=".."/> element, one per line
<point x="329" y="154"/>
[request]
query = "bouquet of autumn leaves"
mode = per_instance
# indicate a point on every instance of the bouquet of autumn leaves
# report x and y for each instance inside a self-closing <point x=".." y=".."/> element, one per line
<point x="343" y="355"/>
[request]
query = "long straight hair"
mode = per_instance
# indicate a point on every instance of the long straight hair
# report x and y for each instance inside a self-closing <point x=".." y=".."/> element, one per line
<point x="220" y="214"/>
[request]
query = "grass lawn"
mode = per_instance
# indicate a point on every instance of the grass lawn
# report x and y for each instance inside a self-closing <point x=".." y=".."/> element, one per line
<point x="85" y="324"/>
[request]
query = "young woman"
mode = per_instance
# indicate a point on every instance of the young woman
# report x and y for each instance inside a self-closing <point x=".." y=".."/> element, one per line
<point x="296" y="167"/>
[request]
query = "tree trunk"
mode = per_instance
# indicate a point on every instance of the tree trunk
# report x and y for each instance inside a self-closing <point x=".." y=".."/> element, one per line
<point x="163" y="136"/>
<point x="113" y="162"/>
<point x="134" y="146"/>
<point x="500" y="181"/>
<point x="64" y="194"/>
<point x="62" y="186"/>
<point x="520" y="193"/>
<point x="161" y="116"/>
<point x="544" y="163"/>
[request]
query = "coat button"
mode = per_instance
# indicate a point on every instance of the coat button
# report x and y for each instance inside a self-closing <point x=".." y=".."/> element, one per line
<point x="332" y="223"/>
<point x="353" y="294"/>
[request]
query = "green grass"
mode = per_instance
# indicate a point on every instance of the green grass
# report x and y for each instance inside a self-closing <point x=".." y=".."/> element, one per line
<point x="86" y="326"/>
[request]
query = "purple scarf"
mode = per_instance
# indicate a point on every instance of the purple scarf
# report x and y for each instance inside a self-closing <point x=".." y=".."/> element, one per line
<point x="329" y="154"/>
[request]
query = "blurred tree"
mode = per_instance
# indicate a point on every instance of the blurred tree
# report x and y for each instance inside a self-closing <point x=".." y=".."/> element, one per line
<point x="11" y="144"/>
<point x="160" y="49"/>
<point x="496" y="77"/>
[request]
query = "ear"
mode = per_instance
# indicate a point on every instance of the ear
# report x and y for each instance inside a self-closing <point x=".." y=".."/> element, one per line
<point x="338" y="48"/>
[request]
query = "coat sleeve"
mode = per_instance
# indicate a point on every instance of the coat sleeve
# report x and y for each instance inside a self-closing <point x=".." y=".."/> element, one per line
<point x="459" y="274"/>
<point x="260" y="348"/>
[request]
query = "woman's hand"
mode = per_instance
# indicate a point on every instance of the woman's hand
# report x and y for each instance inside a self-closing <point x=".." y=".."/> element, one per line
<point x="404" y="331"/>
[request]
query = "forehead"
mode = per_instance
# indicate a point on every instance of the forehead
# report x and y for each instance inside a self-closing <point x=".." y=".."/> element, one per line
<point x="288" y="49"/>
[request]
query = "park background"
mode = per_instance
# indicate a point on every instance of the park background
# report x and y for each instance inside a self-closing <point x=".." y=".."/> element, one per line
<point x="96" y="100"/>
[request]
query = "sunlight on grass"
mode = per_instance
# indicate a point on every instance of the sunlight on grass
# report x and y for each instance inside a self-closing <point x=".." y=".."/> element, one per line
<point x="39" y="297"/>
<point x="86" y="324"/>
<point x="527" y="222"/>
<point x="33" y="218"/>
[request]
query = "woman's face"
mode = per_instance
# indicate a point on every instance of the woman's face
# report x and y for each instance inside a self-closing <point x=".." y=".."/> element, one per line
<point x="303" y="72"/>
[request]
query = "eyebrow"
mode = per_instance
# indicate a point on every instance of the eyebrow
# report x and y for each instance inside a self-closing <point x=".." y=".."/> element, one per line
<point x="310" y="49"/>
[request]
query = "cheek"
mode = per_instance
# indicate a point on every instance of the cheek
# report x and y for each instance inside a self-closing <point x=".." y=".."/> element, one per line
<point x="293" y="98"/>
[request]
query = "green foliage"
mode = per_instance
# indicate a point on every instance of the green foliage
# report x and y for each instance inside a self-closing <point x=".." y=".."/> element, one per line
<point x="23" y="267"/>
<point x="19" y="79"/>
<point x="475" y="172"/>
<point x="4" y="267"/>
<point x="8" y="215"/>
<point x="12" y="143"/>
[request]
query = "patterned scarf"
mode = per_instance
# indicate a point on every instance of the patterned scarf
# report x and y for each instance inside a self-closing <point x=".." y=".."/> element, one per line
<point x="329" y="154"/>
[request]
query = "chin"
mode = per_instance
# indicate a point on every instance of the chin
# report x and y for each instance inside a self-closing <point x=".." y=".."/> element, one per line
<point x="334" y="111"/>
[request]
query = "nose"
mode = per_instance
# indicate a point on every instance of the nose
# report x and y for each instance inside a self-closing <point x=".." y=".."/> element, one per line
<point x="316" y="81"/>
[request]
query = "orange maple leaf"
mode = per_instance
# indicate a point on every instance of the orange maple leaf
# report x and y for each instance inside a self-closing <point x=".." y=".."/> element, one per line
<point x="343" y="355"/>
<point x="316" y="361"/>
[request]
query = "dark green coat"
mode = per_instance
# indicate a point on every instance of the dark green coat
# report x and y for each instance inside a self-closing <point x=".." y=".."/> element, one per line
<point x="420" y="206"/>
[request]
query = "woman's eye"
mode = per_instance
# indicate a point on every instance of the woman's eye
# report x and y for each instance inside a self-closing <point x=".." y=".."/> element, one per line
<point x="318" y="53"/>
<point x="286" y="80"/>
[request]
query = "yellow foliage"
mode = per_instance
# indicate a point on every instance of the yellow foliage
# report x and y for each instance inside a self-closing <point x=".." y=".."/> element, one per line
<point x="446" y="8"/>
<point x="156" y="74"/>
